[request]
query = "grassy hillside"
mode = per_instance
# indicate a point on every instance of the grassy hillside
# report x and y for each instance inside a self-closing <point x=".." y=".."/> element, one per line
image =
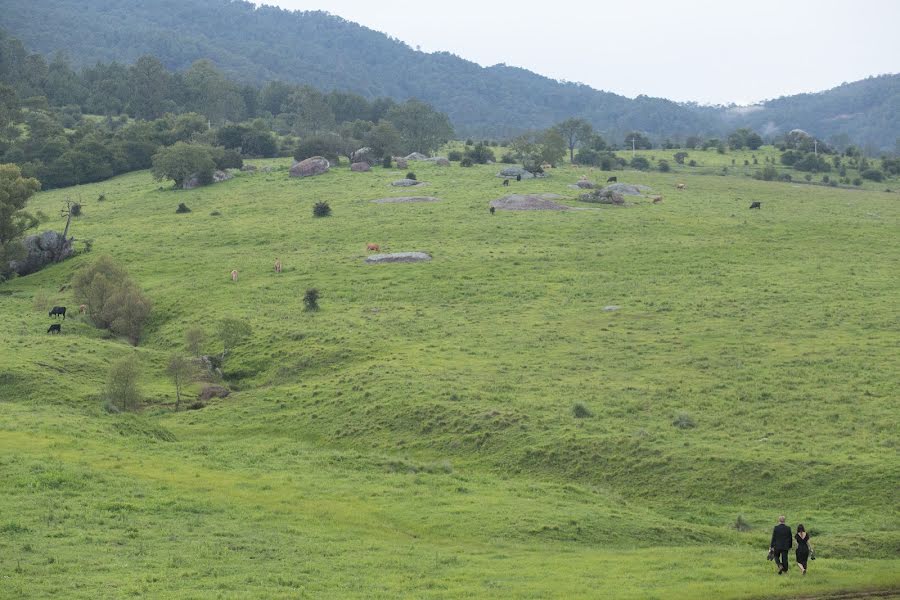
<point x="416" y="437"/>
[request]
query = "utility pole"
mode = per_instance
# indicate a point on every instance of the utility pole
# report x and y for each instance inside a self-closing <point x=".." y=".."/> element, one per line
<point x="632" y="147"/>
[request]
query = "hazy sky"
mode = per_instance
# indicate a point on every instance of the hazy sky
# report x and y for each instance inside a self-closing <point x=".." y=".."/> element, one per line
<point x="709" y="51"/>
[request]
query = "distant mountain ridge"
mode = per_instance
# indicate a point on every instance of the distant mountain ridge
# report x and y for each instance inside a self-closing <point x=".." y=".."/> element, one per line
<point x="261" y="44"/>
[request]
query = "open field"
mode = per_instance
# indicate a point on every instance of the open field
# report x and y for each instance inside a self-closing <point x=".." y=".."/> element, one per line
<point x="416" y="436"/>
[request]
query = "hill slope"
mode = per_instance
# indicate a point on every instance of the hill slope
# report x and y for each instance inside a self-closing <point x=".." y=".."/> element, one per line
<point x="417" y="437"/>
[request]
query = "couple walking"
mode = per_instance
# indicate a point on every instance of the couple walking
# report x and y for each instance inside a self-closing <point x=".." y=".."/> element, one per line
<point x="782" y="542"/>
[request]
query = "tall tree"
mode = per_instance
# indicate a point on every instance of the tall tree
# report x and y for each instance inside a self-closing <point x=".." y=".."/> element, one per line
<point x="574" y="132"/>
<point x="421" y="127"/>
<point x="150" y="87"/>
<point x="15" y="191"/>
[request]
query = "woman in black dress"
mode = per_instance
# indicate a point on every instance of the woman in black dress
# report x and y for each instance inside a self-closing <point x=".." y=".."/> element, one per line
<point x="802" y="547"/>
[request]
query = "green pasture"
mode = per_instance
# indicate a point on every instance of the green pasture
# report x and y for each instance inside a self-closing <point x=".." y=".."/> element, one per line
<point x="416" y="437"/>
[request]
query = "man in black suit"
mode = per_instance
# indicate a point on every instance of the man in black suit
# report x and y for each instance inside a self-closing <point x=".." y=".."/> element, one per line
<point x="781" y="543"/>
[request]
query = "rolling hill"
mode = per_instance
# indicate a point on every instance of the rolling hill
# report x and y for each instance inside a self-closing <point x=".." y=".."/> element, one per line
<point x="261" y="44"/>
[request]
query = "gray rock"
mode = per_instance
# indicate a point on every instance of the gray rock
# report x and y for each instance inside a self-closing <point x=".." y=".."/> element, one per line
<point x="315" y="165"/>
<point x="626" y="189"/>
<point x="402" y="163"/>
<point x="41" y="250"/>
<point x="364" y="154"/>
<point x="360" y="167"/>
<point x="611" y="308"/>
<point x="416" y="156"/>
<point x="585" y="185"/>
<point x="405" y="183"/>
<point x="395" y="257"/>
<point x="604" y="196"/>
<point x="439" y="161"/>
<point x="512" y="172"/>
<point x="528" y="202"/>
<point x="247" y="168"/>
<point x="220" y="176"/>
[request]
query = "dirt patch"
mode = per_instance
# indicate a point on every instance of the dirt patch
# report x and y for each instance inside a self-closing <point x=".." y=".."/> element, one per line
<point x="395" y="257"/>
<point x="399" y="199"/>
<point x="529" y="202"/>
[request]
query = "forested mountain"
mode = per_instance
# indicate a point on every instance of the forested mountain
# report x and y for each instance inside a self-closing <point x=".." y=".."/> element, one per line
<point x="255" y="45"/>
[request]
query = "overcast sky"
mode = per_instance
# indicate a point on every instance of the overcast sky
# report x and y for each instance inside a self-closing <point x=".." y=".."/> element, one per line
<point x="708" y="51"/>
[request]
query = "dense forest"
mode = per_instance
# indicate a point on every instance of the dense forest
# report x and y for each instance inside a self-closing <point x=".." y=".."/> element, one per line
<point x="256" y="45"/>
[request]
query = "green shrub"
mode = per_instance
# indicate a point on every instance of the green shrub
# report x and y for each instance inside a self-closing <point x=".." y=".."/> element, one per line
<point x="113" y="300"/>
<point x="768" y="173"/>
<point x="684" y="421"/>
<point x="321" y="209"/>
<point x="640" y="163"/>
<point x="872" y="175"/>
<point x="664" y="166"/>
<point x="466" y="162"/>
<point x="387" y="162"/>
<point x="857" y="182"/>
<point x="182" y="208"/>
<point x="411" y="175"/>
<point x="580" y="411"/>
<point x="311" y="300"/>
<point x="693" y="163"/>
<point x="122" y="390"/>
<point x="455" y="155"/>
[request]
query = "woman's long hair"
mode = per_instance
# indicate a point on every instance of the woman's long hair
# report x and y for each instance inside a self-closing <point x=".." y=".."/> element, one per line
<point x="800" y="528"/>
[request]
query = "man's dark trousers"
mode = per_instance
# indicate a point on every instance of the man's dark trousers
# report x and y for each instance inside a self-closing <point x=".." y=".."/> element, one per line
<point x="781" y="559"/>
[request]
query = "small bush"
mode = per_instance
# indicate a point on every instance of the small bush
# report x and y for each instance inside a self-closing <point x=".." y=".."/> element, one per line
<point x="857" y="182"/>
<point x="321" y="209"/>
<point x="411" y="175"/>
<point x="508" y="159"/>
<point x="455" y="155"/>
<point x="640" y="163"/>
<point x="75" y="209"/>
<point x="808" y="177"/>
<point x="684" y="421"/>
<point x="311" y="300"/>
<point x="870" y="174"/>
<point x="785" y="177"/>
<point x="580" y="411"/>
<point x="182" y="208"/>
<point x="101" y="198"/>
<point x="121" y="384"/>
<point x="114" y="301"/>
<point x="693" y="163"/>
<point x="769" y="173"/>
<point x="466" y="162"/>
<point x="664" y="166"/>
<point x="387" y="162"/>
<point x="740" y="524"/>
<point x="215" y="213"/>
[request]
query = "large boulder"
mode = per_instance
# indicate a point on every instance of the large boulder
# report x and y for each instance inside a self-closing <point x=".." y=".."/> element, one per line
<point x="364" y="154"/>
<point x="604" y="196"/>
<point x="314" y="165"/>
<point x="220" y="176"/>
<point x="439" y="161"/>
<point x="405" y="183"/>
<point x="513" y="172"/>
<point x="398" y="257"/>
<point x="213" y="391"/>
<point x="528" y="202"/>
<point x="41" y="250"/>
<point x="584" y="184"/>
<point x="360" y="167"/>
<point x="402" y="163"/>
<point x="416" y="156"/>
<point x="627" y="189"/>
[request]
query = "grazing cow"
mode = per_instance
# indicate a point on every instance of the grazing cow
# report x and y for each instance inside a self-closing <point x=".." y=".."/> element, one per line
<point x="234" y="275"/>
<point x="82" y="309"/>
<point x="277" y="266"/>
<point x="373" y="247"/>
<point x="506" y="182"/>
<point x="756" y="205"/>
<point x="55" y="328"/>
<point x="657" y="199"/>
<point x="679" y="186"/>
<point x="58" y="310"/>
<point x="612" y="179"/>
<point x="493" y="210"/>
<point x="519" y="177"/>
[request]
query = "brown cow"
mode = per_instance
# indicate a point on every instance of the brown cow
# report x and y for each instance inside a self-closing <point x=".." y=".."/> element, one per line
<point x="234" y="275"/>
<point x="82" y="309"/>
<point x="373" y="247"/>
<point x="277" y="266"/>
<point x="656" y="199"/>
<point x="679" y="186"/>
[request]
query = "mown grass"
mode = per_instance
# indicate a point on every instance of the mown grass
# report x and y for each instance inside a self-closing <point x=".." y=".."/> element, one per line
<point x="416" y="436"/>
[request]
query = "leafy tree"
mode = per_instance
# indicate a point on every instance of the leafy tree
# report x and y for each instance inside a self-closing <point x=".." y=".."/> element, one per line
<point x="480" y="154"/>
<point x="233" y="332"/>
<point x="149" y="82"/>
<point x="181" y="370"/>
<point x="194" y="338"/>
<point x="680" y="156"/>
<point x="122" y="384"/>
<point x="113" y="300"/>
<point x="693" y="142"/>
<point x="574" y="132"/>
<point x="664" y="166"/>
<point x="872" y="175"/>
<point x="181" y="161"/>
<point x="421" y="127"/>
<point x="327" y="146"/>
<point x="553" y="147"/>
<point x="640" y="141"/>
<point x="15" y="191"/>
<point x="309" y="112"/>
<point x="383" y="139"/>
<point x="640" y="163"/>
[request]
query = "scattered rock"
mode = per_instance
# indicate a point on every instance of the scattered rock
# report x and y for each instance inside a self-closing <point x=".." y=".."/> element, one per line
<point x="219" y="176"/>
<point x="439" y="161"/>
<point x="611" y="308"/>
<point x="406" y="183"/>
<point x="402" y="163"/>
<point x="41" y="250"/>
<point x="529" y="202"/>
<point x="416" y="156"/>
<point x="585" y="185"/>
<point x="399" y="199"/>
<point x="315" y="165"/>
<point x="513" y="172"/>
<point x="213" y="391"/>
<point x="403" y="257"/>
<point x="364" y="154"/>
<point x="247" y="168"/>
<point x="360" y="167"/>
<point x="627" y="189"/>
<point x="604" y="196"/>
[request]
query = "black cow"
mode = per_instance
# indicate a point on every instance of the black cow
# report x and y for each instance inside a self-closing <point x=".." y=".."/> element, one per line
<point x="519" y="177"/>
<point x="55" y="328"/>
<point x="58" y="310"/>
<point x="493" y="210"/>
<point x="506" y="182"/>
<point x="612" y="179"/>
<point x="756" y="205"/>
